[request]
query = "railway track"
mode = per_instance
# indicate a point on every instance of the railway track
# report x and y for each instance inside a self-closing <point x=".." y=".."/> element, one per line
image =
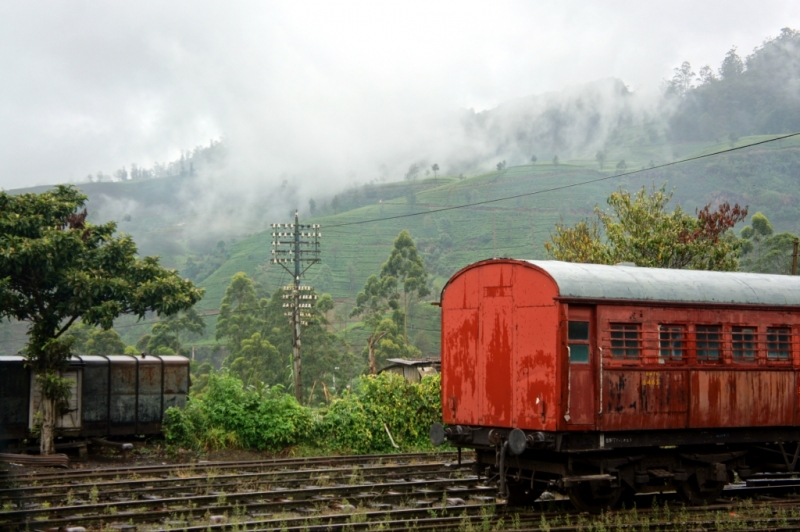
<point x="388" y="492"/>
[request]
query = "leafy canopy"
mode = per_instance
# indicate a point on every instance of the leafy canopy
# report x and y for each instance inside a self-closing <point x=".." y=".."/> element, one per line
<point x="56" y="268"/>
<point x="763" y="250"/>
<point x="639" y="229"/>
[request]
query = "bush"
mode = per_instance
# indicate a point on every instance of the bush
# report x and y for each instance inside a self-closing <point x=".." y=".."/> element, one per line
<point x="355" y="422"/>
<point x="229" y="415"/>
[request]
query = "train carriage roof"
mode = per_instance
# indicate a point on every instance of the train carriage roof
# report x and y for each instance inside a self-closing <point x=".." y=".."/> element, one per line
<point x="621" y="282"/>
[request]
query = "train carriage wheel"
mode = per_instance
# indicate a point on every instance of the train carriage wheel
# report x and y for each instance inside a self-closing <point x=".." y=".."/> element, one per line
<point x="691" y="492"/>
<point x="593" y="498"/>
<point x="520" y="493"/>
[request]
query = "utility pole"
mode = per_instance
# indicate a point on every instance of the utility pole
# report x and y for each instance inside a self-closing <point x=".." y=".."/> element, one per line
<point x="794" y="256"/>
<point x="299" y="244"/>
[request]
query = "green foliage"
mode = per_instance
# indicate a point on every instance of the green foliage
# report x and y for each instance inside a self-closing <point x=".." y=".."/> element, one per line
<point x="259" y="339"/>
<point x="355" y="422"/>
<point x="102" y="342"/>
<point x="257" y="417"/>
<point x="763" y="250"/>
<point x="229" y="414"/>
<point x="56" y="268"/>
<point x="749" y="97"/>
<point x="167" y="333"/>
<point x="239" y="313"/>
<point x="639" y="229"/>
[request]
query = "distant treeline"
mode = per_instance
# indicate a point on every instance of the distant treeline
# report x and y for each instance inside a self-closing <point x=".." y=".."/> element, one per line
<point x="752" y="96"/>
<point x="190" y="162"/>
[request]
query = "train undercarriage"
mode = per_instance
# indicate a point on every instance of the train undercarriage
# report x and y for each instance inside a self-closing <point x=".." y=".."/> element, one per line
<point x="598" y="477"/>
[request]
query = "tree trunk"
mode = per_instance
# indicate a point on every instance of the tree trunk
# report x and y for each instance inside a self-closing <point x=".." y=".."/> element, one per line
<point x="371" y="341"/>
<point x="47" y="444"/>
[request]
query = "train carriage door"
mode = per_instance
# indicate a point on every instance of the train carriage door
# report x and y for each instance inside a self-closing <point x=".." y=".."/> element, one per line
<point x="580" y="379"/>
<point x="496" y="341"/>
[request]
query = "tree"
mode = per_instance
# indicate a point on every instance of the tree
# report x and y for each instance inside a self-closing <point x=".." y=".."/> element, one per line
<point x="239" y="314"/>
<point x="622" y="165"/>
<point x="105" y="342"/>
<point x="501" y="166"/>
<point x="56" y="269"/>
<point x="682" y="80"/>
<point x="406" y="266"/>
<point x="639" y="229"/>
<point x="763" y="250"/>
<point x="731" y="66"/>
<point x="312" y="206"/>
<point x="372" y="304"/>
<point x="165" y="335"/>
<point x="555" y="161"/>
<point x="600" y="156"/>
<point x="435" y="169"/>
<point x="412" y="173"/>
<point x="534" y="159"/>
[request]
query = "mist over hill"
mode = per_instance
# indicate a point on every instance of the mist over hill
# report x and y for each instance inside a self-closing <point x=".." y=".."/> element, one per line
<point x="208" y="212"/>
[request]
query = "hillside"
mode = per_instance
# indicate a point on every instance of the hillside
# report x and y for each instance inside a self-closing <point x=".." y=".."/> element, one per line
<point x="354" y="247"/>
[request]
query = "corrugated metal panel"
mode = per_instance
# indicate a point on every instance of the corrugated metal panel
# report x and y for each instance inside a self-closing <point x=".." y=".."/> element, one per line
<point x="598" y="282"/>
<point x="14" y="391"/>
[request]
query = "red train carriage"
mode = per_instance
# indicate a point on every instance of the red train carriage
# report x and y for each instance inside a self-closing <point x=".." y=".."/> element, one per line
<point x="604" y="380"/>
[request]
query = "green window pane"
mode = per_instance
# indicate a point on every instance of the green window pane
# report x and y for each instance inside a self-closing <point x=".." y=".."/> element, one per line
<point x="579" y="330"/>
<point x="579" y="353"/>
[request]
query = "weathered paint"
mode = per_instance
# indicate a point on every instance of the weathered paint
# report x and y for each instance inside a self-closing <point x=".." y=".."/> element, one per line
<point x="95" y="392"/>
<point x="14" y="397"/>
<point x="499" y="337"/>
<point x="505" y="360"/>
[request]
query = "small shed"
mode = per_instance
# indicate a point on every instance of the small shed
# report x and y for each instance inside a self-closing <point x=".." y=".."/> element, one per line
<point x="413" y="370"/>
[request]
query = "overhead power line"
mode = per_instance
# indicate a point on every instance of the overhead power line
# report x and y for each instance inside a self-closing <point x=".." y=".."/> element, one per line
<point x="562" y="187"/>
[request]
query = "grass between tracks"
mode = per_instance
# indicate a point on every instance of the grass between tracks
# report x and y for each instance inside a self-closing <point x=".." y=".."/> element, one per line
<point x="380" y="414"/>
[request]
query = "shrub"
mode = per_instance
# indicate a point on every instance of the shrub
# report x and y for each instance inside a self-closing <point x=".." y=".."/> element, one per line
<point x="355" y="422"/>
<point x="229" y="415"/>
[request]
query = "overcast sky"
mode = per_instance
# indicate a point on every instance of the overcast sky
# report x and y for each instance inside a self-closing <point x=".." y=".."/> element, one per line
<point x="88" y="86"/>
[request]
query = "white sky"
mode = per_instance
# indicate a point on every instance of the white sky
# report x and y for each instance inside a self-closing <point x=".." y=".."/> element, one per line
<point x="88" y="86"/>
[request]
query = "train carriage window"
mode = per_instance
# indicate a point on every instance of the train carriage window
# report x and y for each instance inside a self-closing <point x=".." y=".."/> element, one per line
<point x="578" y="335"/>
<point x="779" y="343"/>
<point x="670" y="342"/>
<point x="625" y="340"/>
<point x="744" y="344"/>
<point x="707" y="342"/>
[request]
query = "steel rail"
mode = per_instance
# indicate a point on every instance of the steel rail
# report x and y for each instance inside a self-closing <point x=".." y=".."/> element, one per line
<point x="273" y="462"/>
<point x="129" y="487"/>
<point x="282" y="500"/>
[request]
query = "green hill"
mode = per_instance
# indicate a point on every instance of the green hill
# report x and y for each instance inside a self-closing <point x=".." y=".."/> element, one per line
<point x="356" y="242"/>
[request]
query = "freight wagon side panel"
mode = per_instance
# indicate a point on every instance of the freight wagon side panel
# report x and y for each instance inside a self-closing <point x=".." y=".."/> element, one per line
<point x="149" y="397"/>
<point x="742" y="398"/>
<point x="96" y="391"/>
<point x="124" y="389"/>
<point x="14" y="393"/>
<point x="176" y="381"/>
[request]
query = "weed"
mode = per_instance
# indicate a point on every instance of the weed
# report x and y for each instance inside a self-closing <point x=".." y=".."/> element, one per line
<point x="94" y="495"/>
<point x="544" y="526"/>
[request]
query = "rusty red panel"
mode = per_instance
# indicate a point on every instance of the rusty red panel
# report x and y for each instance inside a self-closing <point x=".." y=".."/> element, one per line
<point x="536" y="404"/>
<point x="496" y="351"/>
<point x="460" y="398"/>
<point x="742" y="398"/>
<point x="498" y="357"/>
<point x="637" y="399"/>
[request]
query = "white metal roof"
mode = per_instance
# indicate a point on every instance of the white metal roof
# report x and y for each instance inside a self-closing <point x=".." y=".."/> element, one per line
<point x="598" y="281"/>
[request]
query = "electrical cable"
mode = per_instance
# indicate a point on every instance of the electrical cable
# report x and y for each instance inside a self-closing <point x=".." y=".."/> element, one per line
<point x="571" y="185"/>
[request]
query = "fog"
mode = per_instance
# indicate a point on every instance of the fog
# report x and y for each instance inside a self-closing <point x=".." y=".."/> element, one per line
<point x="329" y="94"/>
